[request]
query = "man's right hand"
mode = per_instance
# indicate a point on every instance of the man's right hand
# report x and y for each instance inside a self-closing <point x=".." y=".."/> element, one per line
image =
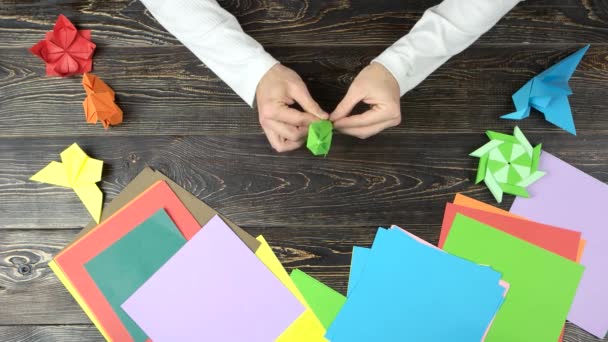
<point x="286" y="127"/>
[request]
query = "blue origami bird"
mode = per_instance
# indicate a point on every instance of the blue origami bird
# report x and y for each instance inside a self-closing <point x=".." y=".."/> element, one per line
<point x="548" y="93"/>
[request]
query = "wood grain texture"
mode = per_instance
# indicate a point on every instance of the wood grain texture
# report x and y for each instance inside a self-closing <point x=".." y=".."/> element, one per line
<point x="391" y="178"/>
<point x="310" y="23"/>
<point x="52" y="333"/>
<point x="167" y="91"/>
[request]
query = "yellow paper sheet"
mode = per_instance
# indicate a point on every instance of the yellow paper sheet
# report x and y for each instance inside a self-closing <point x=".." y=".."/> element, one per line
<point x="72" y="290"/>
<point x="307" y="328"/>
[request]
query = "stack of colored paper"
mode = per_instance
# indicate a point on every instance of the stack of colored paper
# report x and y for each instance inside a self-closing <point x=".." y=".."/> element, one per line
<point x="164" y="266"/>
<point x="403" y="289"/>
<point x="568" y="197"/>
<point x="532" y="258"/>
<point x="149" y="271"/>
<point x="498" y="277"/>
<point x="550" y="247"/>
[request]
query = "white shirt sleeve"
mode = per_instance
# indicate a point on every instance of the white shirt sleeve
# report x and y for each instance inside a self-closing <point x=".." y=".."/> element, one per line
<point x="217" y="39"/>
<point x="443" y="31"/>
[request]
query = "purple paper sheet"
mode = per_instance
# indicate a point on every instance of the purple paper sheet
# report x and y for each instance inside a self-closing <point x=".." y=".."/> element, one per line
<point x="569" y="198"/>
<point x="213" y="289"/>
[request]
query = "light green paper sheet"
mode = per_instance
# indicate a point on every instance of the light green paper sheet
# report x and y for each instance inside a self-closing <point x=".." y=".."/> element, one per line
<point x="542" y="284"/>
<point x="324" y="301"/>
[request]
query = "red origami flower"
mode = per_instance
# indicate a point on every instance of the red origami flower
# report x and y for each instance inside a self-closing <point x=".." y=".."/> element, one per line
<point x="65" y="50"/>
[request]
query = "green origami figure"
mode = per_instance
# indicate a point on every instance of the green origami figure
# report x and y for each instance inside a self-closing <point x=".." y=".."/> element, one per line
<point x="508" y="164"/>
<point x="319" y="137"/>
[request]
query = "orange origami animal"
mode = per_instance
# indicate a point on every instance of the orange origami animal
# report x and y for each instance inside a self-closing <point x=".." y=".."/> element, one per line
<point x="99" y="104"/>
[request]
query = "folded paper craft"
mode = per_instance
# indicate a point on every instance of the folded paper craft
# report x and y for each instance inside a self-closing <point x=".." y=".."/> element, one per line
<point x="79" y="172"/>
<point x="319" y="137"/>
<point x="508" y="164"/>
<point x="548" y="93"/>
<point x="99" y="103"/>
<point x="65" y="50"/>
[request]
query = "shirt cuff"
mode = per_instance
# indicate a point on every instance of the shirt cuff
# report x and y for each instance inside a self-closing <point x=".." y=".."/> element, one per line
<point x="257" y="68"/>
<point x="398" y="65"/>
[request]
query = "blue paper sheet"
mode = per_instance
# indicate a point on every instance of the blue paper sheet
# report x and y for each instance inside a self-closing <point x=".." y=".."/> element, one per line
<point x="548" y="93"/>
<point x="408" y="291"/>
<point x="357" y="264"/>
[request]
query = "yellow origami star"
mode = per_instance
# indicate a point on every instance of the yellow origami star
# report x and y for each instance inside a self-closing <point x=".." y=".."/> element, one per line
<point x="79" y="172"/>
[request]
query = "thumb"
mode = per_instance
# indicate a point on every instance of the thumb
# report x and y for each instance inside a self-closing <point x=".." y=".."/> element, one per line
<point x="302" y="96"/>
<point x="345" y="107"/>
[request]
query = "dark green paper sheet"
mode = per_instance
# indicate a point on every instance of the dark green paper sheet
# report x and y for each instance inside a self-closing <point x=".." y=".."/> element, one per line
<point x="123" y="267"/>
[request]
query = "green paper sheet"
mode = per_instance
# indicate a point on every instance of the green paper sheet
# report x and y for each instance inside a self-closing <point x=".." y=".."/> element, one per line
<point x="124" y="266"/>
<point x="319" y="137"/>
<point x="324" y="301"/>
<point x="542" y="284"/>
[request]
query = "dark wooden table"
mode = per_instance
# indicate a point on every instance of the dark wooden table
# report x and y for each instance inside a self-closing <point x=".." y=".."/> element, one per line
<point x="185" y="122"/>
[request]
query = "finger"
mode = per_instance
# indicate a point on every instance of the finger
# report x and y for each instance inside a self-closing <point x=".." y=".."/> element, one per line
<point x="369" y="118"/>
<point x="280" y="144"/>
<point x="368" y="131"/>
<point x="345" y="107"/>
<point x="294" y="117"/>
<point x="286" y="131"/>
<point x="302" y="96"/>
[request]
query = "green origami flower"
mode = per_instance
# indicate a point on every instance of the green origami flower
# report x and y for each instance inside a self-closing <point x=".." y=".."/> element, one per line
<point x="319" y="137"/>
<point x="508" y="164"/>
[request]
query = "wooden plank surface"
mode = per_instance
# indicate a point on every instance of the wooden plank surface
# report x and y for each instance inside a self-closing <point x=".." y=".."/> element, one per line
<point x="304" y="23"/>
<point x="391" y="178"/>
<point x="167" y="91"/>
<point x="182" y="120"/>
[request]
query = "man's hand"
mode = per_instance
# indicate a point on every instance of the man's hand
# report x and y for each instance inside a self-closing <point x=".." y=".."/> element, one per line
<point x="285" y="127"/>
<point x="377" y="87"/>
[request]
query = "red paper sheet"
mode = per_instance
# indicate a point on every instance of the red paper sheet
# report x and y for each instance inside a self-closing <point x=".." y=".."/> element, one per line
<point x="560" y="241"/>
<point x="72" y="259"/>
<point x="464" y="201"/>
